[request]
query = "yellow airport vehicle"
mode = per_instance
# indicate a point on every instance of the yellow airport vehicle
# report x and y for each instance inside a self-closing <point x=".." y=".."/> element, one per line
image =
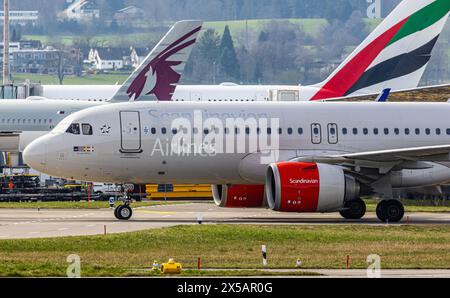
<point x="178" y="191"/>
<point x="171" y="267"/>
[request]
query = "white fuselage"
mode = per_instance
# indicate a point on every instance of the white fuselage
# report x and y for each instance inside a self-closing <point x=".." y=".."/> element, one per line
<point x="223" y="92"/>
<point x="122" y="146"/>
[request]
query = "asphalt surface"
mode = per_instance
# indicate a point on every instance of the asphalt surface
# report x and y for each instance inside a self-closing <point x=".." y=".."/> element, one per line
<point x="31" y="223"/>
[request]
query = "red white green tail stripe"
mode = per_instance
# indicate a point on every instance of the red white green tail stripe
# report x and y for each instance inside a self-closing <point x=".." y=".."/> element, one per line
<point x="394" y="55"/>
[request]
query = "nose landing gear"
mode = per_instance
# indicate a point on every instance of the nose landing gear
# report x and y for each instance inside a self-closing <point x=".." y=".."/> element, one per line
<point x="124" y="212"/>
<point x="390" y="211"/>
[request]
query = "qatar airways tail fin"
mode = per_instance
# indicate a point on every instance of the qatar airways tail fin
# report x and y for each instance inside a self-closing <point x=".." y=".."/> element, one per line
<point x="394" y="55"/>
<point x="159" y="73"/>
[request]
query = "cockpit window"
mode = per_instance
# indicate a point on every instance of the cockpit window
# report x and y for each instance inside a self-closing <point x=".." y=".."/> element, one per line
<point x="87" y="129"/>
<point x="74" y="128"/>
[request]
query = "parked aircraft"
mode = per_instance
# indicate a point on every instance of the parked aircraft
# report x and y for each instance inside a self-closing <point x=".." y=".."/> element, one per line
<point x="393" y="56"/>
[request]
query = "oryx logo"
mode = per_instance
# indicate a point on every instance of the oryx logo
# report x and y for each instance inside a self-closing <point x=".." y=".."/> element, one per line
<point x="158" y="77"/>
<point x="303" y="181"/>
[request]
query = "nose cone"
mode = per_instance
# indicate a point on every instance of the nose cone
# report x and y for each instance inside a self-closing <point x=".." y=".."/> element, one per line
<point x="35" y="154"/>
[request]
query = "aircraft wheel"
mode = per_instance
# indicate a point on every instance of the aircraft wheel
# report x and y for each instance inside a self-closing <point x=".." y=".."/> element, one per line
<point x="390" y="210"/>
<point x="116" y="212"/>
<point x="354" y="209"/>
<point x="124" y="213"/>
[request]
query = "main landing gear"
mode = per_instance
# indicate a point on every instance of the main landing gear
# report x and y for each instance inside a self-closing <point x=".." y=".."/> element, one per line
<point x="354" y="209"/>
<point x="390" y="211"/>
<point x="124" y="212"/>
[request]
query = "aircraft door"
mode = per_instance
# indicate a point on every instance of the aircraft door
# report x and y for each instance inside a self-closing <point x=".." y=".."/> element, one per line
<point x="130" y="125"/>
<point x="333" y="133"/>
<point x="316" y="133"/>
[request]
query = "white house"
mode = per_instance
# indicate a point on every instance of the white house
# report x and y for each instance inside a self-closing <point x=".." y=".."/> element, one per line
<point x="109" y="58"/>
<point x="80" y="10"/>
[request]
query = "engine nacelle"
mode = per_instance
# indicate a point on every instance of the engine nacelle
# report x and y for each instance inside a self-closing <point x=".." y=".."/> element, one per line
<point x="308" y="187"/>
<point x="239" y="196"/>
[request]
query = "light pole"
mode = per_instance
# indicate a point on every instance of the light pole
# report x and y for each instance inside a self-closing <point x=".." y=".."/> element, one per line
<point x="6" y="70"/>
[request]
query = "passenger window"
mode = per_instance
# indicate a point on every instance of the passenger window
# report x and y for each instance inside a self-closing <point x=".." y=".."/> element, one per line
<point x="174" y="131"/>
<point x="153" y="130"/>
<point x="365" y="131"/>
<point x="448" y="131"/>
<point x="280" y="131"/>
<point x="438" y="131"/>
<point x="289" y="130"/>
<point x="397" y="131"/>
<point x="247" y="130"/>
<point x="87" y="129"/>
<point x="163" y="130"/>
<point x="386" y="131"/>
<point x="428" y="131"/>
<point x="375" y="131"/>
<point x="406" y="131"/>
<point x="355" y="131"/>
<point x="206" y="131"/>
<point x="300" y="131"/>
<point x="269" y="130"/>
<point x="344" y="131"/>
<point x="74" y="128"/>
<point x="417" y="131"/>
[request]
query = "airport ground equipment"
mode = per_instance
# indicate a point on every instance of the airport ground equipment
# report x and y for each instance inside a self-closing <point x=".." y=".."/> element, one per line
<point x="26" y="187"/>
<point x="178" y="191"/>
<point x="171" y="267"/>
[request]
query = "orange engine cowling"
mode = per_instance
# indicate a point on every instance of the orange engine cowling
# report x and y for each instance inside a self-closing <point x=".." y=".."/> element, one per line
<point x="239" y="196"/>
<point x="308" y="187"/>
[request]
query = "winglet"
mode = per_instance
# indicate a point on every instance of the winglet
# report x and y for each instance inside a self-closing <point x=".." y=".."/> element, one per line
<point x="159" y="73"/>
<point x="384" y="95"/>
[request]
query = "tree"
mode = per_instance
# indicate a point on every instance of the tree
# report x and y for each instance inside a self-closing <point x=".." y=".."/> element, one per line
<point x="228" y="59"/>
<point x="61" y="64"/>
<point x="209" y="46"/>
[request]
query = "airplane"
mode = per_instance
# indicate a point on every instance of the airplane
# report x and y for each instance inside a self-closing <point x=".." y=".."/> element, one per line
<point x="292" y="157"/>
<point x="21" y="121"/>
<point x="393" y="56"/>
<point x="17" y="126"/>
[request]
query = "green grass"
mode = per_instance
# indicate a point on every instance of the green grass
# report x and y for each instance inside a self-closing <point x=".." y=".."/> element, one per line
<point x="100" y="79"/>
<point x="75" y="205"/>
<point x="231" y="247"/>
<point x="415" y="205"/>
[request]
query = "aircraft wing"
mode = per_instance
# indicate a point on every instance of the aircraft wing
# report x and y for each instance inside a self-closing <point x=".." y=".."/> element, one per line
<point x="438" y="93"/>
<point x="428" y="153"/>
